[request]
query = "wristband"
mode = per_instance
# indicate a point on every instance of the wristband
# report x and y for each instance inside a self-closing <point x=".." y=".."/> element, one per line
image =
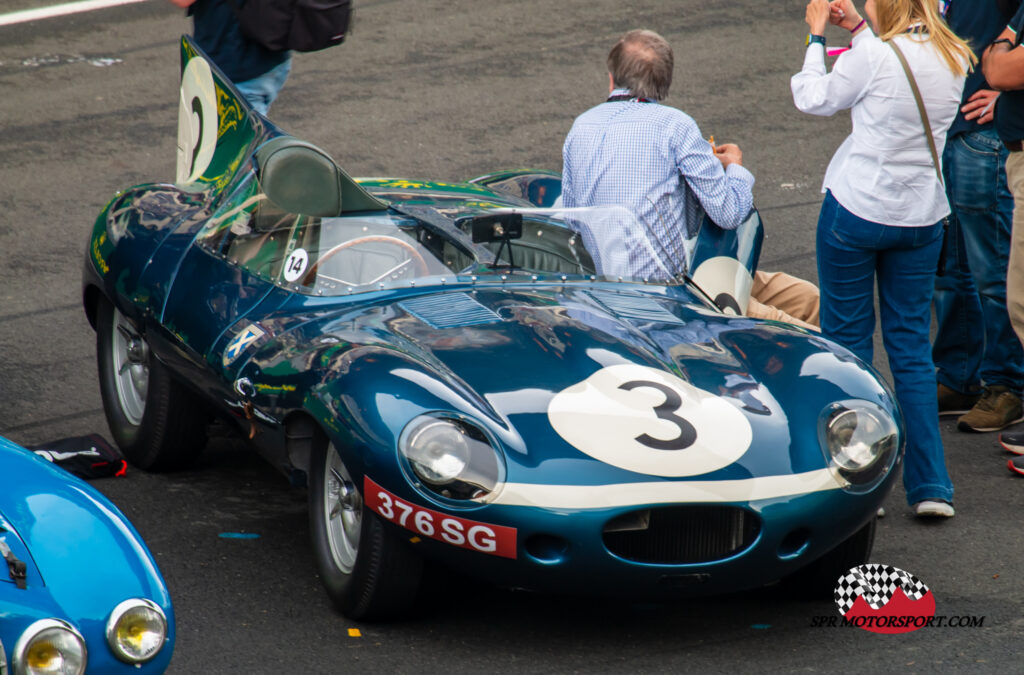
<point x="857" y="27"/>
<point x="815" y="39"/>
<point x="1001" y="40"/>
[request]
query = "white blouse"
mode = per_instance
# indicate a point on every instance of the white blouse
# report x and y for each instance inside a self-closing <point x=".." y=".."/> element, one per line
<point x="883" y="171"/>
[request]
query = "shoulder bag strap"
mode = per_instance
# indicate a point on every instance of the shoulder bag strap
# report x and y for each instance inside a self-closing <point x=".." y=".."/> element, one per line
<point x="941" y="270"/>
<point x="920" y="109"/>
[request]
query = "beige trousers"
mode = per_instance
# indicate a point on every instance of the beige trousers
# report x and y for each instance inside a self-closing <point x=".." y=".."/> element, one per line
<point x="1015" y="270"/>
<point x="779" y="296"/>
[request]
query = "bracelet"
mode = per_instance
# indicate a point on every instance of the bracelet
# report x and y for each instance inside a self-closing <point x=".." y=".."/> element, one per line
<point x="815" y="39"/>
<point x="1001" y="40"/>
<point x="857" y="27"/>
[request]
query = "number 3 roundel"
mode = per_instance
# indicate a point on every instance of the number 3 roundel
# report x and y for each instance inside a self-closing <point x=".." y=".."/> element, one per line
<point x="197" y="120"/>
<point x="647" y="420"/>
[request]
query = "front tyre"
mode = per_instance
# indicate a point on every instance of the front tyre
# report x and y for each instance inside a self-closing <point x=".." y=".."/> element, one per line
<point x="154" y="421"/>
<point x="368" y="572"/>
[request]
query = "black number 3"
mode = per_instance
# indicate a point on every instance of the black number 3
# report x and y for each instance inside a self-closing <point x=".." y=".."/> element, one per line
<point x="197" y="110"/>
<point x="666" y="411"/>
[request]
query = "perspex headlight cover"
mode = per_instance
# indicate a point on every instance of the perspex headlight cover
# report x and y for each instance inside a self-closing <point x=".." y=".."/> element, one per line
<point x="50" y="646"/>
<point x="451" y="458"/>
<point x="136" y="630"/>
<point x="861" y="442"/>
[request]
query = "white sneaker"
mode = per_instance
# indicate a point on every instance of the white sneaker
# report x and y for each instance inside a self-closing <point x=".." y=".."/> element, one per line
<point x="934" y="508"/>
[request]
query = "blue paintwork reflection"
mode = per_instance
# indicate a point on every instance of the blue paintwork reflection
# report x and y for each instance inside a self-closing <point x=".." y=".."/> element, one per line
<point x="83" y="558"/>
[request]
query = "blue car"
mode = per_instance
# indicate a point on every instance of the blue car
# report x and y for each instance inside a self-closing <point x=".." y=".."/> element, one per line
<point x="79" y="591"/>
<point x="470" y="374"/>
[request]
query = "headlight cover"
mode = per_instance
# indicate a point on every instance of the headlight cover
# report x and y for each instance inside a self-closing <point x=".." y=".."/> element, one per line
<point x="451" y="458"/>
<point x="861" y="442"/>
<point x="50" y="646"/>
<point x="136" y="630"/>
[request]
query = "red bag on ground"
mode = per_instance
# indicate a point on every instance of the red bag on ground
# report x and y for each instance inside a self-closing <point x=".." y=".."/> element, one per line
<point x="84" y="456"/>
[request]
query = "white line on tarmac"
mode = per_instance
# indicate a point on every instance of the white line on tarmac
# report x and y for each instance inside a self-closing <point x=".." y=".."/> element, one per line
<point x="60" y="10"/>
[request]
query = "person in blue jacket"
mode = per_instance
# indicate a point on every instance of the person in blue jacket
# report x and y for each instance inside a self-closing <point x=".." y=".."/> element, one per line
<point x="979" y="361"/>
<point x="257" y="72"/>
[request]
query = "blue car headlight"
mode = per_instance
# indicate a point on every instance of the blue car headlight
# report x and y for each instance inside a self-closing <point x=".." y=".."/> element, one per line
<point x="861" y="442"/>
<point x="136" y="630"/>
<point x="50" y="646"/>
<point x="451" y="458"/>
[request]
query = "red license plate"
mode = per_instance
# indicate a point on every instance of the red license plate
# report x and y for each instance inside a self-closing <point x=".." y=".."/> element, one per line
<point x="470" y="534"/>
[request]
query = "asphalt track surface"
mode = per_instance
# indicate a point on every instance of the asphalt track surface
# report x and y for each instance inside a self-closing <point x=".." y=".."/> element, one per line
<point x="445" y="89"/>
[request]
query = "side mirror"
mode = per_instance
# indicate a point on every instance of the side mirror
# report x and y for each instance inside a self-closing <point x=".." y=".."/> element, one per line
<point x="500" y="227"/>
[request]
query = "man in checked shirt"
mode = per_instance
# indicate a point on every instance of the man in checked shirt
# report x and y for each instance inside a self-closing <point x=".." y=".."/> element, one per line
<point x="634" y="152"/>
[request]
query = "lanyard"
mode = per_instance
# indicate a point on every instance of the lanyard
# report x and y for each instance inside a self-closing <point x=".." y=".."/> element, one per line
<point x="628" y="97"/>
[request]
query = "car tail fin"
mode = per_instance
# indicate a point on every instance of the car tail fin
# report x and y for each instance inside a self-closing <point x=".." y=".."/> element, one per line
<point x="216" y="126"/>
<point x="724" y="261"/>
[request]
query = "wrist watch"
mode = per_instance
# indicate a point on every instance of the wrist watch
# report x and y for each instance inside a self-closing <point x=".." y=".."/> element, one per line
<point x="815" y="39"/>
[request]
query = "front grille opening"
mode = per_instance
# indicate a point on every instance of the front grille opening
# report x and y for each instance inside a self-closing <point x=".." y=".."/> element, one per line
<point x="679" y="535"/>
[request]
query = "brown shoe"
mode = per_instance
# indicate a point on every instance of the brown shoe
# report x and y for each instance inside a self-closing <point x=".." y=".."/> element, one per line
<point x="998" y="408"/>
<point x="954" y="403"/>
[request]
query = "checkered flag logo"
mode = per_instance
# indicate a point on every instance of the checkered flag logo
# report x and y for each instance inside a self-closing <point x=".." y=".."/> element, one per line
<point x="876" y="584"/>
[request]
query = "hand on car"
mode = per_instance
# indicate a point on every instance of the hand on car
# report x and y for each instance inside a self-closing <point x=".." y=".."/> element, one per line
<point x="728" y="153"/>
<point x="817" y="16"/>
<point x="981" y="106"/>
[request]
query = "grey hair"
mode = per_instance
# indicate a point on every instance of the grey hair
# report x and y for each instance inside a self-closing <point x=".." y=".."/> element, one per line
<point x="642" y="62"/>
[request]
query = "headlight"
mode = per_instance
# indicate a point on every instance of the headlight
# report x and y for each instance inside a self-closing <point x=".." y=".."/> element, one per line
<point x="452" y="458"/>
<point x="861" y="441"/>
<point x="136" y="630"/>
<point x="50" y="646"/>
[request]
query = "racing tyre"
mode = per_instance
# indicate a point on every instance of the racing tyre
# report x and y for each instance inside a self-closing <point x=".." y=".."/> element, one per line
<point x="818" y="580"/>
<point x="368" y="572"/>
<point x="153" y="419"/>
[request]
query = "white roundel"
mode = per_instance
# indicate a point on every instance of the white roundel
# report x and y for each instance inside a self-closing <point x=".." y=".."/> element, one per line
<point x="726" y="281"/>
<point x="296" y="264"/>
<point x="646" y="420"/>
<point x="197" y="120"/>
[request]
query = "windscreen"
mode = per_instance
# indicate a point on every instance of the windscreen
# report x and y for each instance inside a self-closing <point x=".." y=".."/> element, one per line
<point x="432" y="244"/>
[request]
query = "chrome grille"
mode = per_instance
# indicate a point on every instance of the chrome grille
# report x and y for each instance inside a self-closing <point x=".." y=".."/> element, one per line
<point x="676" y="535"/>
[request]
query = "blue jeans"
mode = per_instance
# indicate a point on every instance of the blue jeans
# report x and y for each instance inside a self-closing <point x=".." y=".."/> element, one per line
<point x="261" y="91"/>
<point x="975" y="342"/>
<point x="851" y="253"/>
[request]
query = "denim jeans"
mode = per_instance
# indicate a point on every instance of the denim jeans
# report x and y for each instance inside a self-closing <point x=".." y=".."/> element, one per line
<point x="852" y="252"/>
<point x="261" y="91"/>
<point x="975" y="342"/>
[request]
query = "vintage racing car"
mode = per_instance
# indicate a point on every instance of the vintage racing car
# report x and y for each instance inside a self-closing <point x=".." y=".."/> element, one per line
<point x="468" y="373"/>
<point x="78" y="588"/>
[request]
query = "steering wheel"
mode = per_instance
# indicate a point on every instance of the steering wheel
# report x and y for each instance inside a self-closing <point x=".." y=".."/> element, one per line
<point x="414" y="255"/>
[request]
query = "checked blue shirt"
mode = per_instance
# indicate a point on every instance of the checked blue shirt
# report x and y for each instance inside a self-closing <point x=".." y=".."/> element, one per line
<point x="653" y="160"/>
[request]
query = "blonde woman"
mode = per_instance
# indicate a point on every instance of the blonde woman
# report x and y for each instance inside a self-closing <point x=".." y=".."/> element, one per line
<point x="884" y="203"/>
